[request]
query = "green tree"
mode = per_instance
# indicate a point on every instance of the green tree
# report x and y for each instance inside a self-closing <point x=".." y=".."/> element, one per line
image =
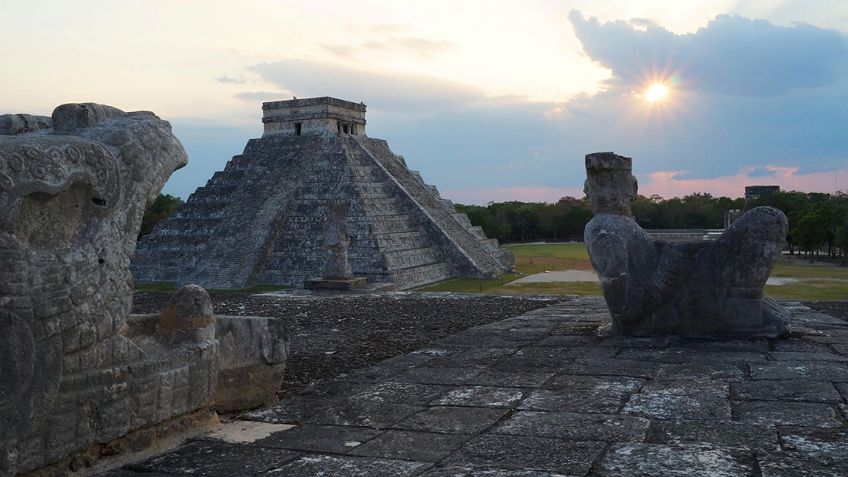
<point x="160" y="209"/>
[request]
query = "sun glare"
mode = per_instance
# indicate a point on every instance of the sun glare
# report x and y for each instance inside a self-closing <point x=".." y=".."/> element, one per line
<point x="656" y="92"/>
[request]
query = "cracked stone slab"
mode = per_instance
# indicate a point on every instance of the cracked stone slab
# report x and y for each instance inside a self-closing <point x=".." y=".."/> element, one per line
<point x="823" y="445"/>
<point x="445" y="376"/>
<point x="313" y="438"/>
<point x="388" y="368"/>
<point x="843" y="389"/>
<point x="611" y="367"/>
<point x="613" y="384"/>
<point x="550" y="358"/>
<point x="409" y="445"/>
<point x="467" y="471"/>
<point x="716" y="433"/>
<point x="836" y="372"/>
<point x="472" y="357"/>
<point x="786" y="390"/>
<point x="702" y="371"/>
<point x="402" y="393"/>
<point x="671" y="406"/>
<point x="348" y="466"/>
<point x="787" y="413"/>
<point x="493" y="338"/>
<point x="215" y="458"/>
<point x="566" y="340"/>
<point x="574" y="400"/>
<point x="332" y="388"/>
<point x="575" y="427"/>
<point x="454" y="420"/>
<point x="695" y="344"/>
<point x="658" y="355"/>
<point x="714" y="389"/>
<point x="584" y="328"/>
<point x="807" y="356"/>
<point x="740" y="357"/>
<point x="530" y="453"/>
<point x="644" y="460"/>
<point x="481" y="396"/>
<point x="340" y="412"/>
<point x="800" y="346"/>
<point x="787" y="464"/>
<point x="492" y="377"/>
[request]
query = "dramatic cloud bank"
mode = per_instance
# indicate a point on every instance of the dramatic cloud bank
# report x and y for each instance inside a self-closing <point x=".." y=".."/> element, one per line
<point x="731" y="55"/>
<point x="750" y="102"/>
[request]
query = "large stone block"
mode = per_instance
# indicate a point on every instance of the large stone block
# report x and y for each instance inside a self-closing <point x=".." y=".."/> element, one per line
<point x="253" y="358"/>
<point x="699" y="289"/>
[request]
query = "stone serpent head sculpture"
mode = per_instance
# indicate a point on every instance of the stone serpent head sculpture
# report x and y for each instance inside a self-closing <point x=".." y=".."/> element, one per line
<point x="71" y="202"/>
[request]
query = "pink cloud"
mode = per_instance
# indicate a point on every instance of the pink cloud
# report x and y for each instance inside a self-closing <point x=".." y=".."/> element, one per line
<point x="667" y="184"/>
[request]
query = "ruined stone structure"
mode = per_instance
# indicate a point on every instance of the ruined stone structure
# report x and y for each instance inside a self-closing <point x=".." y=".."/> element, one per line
<point x="75" y="369"/>
<point x="754" y="192"/>
<point x="71" y="201"/>
<point x="698" y="289"/>
<point x="261" y="220"/>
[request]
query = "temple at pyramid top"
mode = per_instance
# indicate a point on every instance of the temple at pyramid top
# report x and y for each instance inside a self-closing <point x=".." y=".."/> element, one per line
<point x="261" y="220"/>
<point x="313" y="117"/>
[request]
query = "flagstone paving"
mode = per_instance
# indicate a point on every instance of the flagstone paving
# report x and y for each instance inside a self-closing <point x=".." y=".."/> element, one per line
<point x="542" y="395"/>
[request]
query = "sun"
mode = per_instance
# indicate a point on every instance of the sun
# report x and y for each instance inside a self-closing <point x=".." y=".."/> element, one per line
<point x="656" y="93"/>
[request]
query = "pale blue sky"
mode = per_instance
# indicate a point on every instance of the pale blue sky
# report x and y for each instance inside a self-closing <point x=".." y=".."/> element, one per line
<point x="501" y="104"/>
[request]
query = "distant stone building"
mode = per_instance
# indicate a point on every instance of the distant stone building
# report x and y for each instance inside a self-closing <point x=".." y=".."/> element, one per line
<point x="261" y="219"/>
<point x="753" y="193"/>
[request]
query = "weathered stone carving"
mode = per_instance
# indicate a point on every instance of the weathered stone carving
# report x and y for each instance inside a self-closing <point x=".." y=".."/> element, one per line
<point x="71" y="201"/>
<point x="699" y="289"/>
<point x="22" y="123"/>
<point x="254" y="351"/>
<point x="75" y="368"/>
<point x="336" y="241"/>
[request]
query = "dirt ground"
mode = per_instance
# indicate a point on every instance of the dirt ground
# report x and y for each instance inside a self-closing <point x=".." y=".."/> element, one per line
<point x="337" y="334"/>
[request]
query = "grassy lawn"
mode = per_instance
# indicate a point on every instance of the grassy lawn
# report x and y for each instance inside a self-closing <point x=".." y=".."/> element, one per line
<point x="800" y="268"/>
<point x="810" y="290"/>
<point x="819" y="281"/>
<point x="537" y="258"/>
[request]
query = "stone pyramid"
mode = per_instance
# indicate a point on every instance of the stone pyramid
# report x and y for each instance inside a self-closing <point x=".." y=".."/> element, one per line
<point x="260" y="220"/>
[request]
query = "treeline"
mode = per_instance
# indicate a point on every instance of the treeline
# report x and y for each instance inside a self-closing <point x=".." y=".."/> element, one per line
<point x="818" y="223"/>
<point x="159" y="210"/>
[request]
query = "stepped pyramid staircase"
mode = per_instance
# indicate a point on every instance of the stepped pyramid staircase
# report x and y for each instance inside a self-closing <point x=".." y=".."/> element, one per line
<point x="261" y="219"/>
